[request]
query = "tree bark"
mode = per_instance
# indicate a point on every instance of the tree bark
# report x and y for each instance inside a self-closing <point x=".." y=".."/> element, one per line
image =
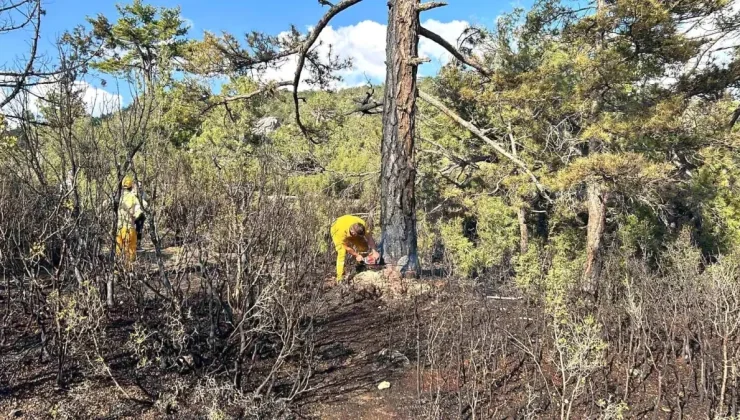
<point x="398" y="174"/>
<point x="523" y="231"/>
<point x="595" y="230"/>
<point x="522" y="210"/>
<point x="109" y="290"/>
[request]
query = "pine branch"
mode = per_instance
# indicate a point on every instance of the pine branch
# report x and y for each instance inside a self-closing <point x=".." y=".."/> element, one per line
<point x="263" y="89"/>
<point x="470" y="61"/>
<point x="478" y="133"/>
<point x="312" y="37"/>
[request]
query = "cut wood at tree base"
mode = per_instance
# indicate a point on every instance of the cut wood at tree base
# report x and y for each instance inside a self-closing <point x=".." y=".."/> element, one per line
<point x="387" y="285"/>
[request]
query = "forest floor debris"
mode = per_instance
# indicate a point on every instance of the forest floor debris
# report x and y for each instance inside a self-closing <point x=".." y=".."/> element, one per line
<point x="359" y="344"/>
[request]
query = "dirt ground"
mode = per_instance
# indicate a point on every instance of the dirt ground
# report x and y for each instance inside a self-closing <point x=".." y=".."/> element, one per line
<point x="363" y="338"/>
<point x="353" y="336"/>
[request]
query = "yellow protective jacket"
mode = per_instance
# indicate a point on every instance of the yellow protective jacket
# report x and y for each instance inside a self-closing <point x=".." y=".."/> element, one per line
<point x="128" y="211"/>
<point x="341" y="237"/>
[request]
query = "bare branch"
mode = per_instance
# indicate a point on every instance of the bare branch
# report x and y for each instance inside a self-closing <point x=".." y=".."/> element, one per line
<point x="735" y="116"/>
<point x="478" y="133"/>
<point x="415" y="61"/>
<point x="31" y="59"/>
<point x="312" y="37"/>
<point x="503" y="298"/>
<point x="470" y="61"/>
<point x="14" y="6"/>
<point x="266" y="88"/>
<point x="23" y="24"/>
<point x="368" y="104"/>
<point x="423" y="7"/>
<point x="368" y="108"/>
<point x="459" y="161"/>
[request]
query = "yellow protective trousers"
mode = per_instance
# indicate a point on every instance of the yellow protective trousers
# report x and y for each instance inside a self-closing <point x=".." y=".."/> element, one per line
<point x="126" y="244"/>
<point x="359" y="244"/>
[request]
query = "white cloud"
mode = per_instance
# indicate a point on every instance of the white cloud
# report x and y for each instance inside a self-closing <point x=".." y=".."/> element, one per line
<point x="364" y="44"/>
<point x="97" y="101"/>
<point x="718" y="44"/>
<point x="450" y="31"/>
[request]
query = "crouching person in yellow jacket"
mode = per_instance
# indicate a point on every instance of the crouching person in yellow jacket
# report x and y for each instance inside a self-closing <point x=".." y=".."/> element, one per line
<point x="129" y="211"/>
<point x="350" y="236"/>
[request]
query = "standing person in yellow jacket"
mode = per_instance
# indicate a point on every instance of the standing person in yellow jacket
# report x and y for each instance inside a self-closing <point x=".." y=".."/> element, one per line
<point x="351" y="236"/>
<point x="129" y="211"/>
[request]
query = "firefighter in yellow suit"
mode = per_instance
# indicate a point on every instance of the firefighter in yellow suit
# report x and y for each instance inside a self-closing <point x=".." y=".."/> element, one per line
<point x="350" y="235"/>
<point x="129" y="211"/>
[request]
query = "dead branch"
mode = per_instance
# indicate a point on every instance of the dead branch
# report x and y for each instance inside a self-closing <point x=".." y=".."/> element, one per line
<point x="503" y="298"/>
<point x="8" y="24"/>
<point x="21" y="77"/>
<point x="368" y="104"/>
<point x="458" y="160"/>
<point x="423" y="7"/>
<point x="368" y="95"/>
<point x="478" y="133"/>
<point x="368" y="108"/>
<point x="735" y="116"/>
<point x="416" y="61"/>
<point x="470" y="61"/>
<point x="14" y="6"/>
<point x="305" y="47"/>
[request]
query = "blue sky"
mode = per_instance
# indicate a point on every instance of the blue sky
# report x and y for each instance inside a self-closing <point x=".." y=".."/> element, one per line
<point x="270" y="16"/>
<point x="357" y="33"/>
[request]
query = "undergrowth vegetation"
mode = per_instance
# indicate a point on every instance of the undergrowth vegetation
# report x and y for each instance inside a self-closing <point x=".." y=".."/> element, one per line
<point x="592" y="270"/>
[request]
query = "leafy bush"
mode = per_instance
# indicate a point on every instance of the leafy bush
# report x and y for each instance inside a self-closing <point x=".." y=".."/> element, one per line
<point x="496" y="235"/>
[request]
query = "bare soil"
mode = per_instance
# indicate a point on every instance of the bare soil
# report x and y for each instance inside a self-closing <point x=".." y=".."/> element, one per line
<point x="362" y="340"/>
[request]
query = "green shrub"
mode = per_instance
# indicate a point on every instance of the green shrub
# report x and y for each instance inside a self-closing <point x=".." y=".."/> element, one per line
<point x="496" y="231"/>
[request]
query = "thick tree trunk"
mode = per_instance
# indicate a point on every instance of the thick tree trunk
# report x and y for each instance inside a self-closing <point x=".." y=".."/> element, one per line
<point x="595" y="196"/>
<point x="595" y="230"/>
<point x="398" y="174"/>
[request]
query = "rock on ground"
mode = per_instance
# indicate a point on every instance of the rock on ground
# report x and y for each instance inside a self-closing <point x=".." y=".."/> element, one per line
<point x="265" y="126"/>
<point x="384" y="385"/>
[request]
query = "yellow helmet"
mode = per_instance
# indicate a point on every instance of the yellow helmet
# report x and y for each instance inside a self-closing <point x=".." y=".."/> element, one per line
<point x="128" y="182"/>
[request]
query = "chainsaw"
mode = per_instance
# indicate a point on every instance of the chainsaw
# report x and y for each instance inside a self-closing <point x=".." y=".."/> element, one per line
<point x="372" y="263"/>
